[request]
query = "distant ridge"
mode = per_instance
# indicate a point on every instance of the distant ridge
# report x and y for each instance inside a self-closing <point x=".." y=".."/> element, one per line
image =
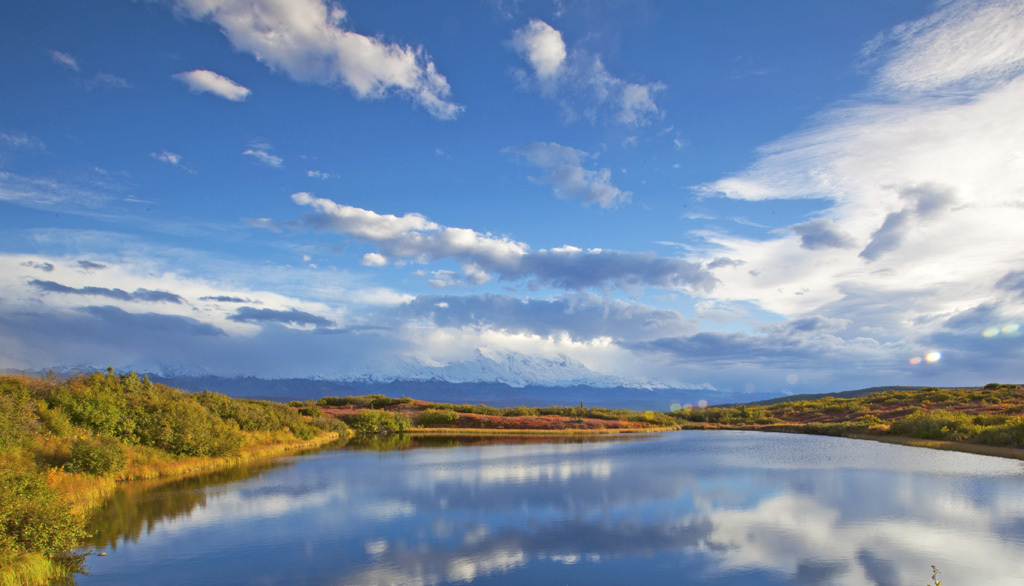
<point x="814" y="397"/>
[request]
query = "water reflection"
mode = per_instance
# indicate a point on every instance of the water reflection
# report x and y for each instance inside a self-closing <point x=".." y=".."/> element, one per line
<point x="690" y="507"/>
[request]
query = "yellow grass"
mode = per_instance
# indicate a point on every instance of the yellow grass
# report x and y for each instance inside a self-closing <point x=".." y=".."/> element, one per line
<point x="30" y="569"/>
<point x="980" y="449"/>
<point x="84" y="492"/>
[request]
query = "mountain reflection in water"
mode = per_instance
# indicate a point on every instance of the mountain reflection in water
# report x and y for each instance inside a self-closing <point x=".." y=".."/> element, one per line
<point x="686" y="507"/>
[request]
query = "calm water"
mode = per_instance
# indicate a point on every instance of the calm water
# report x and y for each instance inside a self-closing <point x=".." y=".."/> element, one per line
<point x="680" y="508"/>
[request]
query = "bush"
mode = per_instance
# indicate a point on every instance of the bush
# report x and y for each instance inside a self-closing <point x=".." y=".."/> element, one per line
<point x="33" y="517"/>
<point x="54" y="420"/>
<point x="99" y="456"/>
<point x="436" y="417"/>
<point x="331" y="424"/>
<point x="936" y="425"/>
<point x="373" y="421"/>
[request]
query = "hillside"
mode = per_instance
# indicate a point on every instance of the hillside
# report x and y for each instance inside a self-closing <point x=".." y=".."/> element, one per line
<point x="983" y="420"/>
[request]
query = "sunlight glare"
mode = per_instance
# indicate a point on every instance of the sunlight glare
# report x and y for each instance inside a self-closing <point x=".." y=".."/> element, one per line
<point x="933" y="356"/>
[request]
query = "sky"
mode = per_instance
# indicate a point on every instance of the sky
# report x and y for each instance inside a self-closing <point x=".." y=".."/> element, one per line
<point x="776" y="198"/>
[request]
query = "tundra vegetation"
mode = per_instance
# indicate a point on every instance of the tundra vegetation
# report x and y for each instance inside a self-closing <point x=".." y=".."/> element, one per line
<point x="64" y="445"/>
<point x="967" y="419"/>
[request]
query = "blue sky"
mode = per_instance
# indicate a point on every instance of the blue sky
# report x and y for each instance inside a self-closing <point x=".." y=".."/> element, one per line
<point x="770" y="197"/>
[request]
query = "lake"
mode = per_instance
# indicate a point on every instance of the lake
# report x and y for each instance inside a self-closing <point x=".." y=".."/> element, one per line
<point x="688" y="507"/>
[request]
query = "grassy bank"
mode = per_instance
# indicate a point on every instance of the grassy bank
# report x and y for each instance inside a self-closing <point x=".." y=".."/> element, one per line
<point x="66" y="444"/>
<point x="988" y="420"/>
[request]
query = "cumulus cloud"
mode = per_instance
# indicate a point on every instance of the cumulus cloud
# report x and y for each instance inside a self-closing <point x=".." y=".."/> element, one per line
<point x="64" y="60"/>
<point x="580" y="81"/>
<point x="88" y="265"/>
<point x="203" y="80"/>
<point x="542" y="46"/>
<point x="568" y="176"/>
<point x="414" y="237"/>
<point x="307" y="39"/>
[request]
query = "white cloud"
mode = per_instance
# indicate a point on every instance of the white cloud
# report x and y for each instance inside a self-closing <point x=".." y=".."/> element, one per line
<point x="306" y="39"/>
<point x="167" y="157"/>
<point x="107" y="81"/>
<point x="413" y="237"/>
<point x="965" y="45"/>
<point x="318" y="174"/>
<point x="20" y="140"/>
<point x="922" y="183"/>
<point x="372" y="259"/>
<point x="64" y="60"/>
<point x="637" y="103"/>
<point x="542" y="46"/>
<point x="566" y="173"/>
<point x="202" y="80"/>
<point x="579" y="80"/>
<point x="264" y="157"/>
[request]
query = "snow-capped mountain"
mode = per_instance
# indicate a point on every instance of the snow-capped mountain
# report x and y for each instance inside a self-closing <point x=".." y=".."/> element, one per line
<point x="491" y="366"/>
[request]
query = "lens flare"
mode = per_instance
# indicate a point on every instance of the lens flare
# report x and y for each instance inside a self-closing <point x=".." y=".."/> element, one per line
<point x="702" y="403"/>
<point x="674" y="407"/>
<point x="1010" y="328"/>
<point x="793" y="378"/>
<point x="915" y="361"/>
<point x="991" y="332"/>
<point x="933" y="356"/>
<point x="688" y="406"/>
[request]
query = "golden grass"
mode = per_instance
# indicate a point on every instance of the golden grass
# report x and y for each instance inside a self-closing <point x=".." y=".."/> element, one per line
<point x="84" y="492"/>
<point x="30" y="569"/>
<point x="980" y="449"/>
<point x="559" y="432"/>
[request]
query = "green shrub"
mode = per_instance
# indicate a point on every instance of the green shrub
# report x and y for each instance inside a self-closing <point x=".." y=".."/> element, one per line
<point x="97" y="456"/>
<point x="55" y="421"/>
<point x="373" y="421"/>
<point x="1010" y="434"/>
<point x="520" y="412"/>
<point x="33" y="517"/>
<point x="936" y="425"/>
<point x="436" y="417"/>
<point x="331" y="424"/>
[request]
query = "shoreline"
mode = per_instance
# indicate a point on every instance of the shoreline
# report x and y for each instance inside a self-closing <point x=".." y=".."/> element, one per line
<point x="948" y="446"/>
<point x="428" y="431"/>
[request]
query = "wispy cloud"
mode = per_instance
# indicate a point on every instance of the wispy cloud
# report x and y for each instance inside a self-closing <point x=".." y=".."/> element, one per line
<point x="579" y="80"/>
<point x="20" y="140"/>
<point x="107" y="81"/>
<point x="170" y="158"/>
<point x="568" y="176"/>
<point x="414" y="237"/>
<point x="203" y="80"/>
<point x="119" y="294"/>
<point x="260" y="154"/>
<point x="919" y="179"/>
<point x="64" y="60"/>
<point x="319" y="49"/>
